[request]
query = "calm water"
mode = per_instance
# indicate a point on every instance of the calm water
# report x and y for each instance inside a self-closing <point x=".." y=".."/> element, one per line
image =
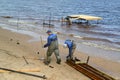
<point x="107" y="32"/>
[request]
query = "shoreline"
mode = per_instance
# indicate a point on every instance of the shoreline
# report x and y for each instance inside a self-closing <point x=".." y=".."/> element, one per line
<point x="82" y="36"/>
<point x="35" y="46"/>
<point x="100" y="49"/>
<point x="90" y="47"/>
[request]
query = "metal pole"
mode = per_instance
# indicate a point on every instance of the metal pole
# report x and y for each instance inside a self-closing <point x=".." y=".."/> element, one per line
<point x="42" y="45"/>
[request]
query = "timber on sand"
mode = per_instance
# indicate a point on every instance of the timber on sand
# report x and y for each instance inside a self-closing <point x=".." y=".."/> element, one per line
<point x="89" y="71"/>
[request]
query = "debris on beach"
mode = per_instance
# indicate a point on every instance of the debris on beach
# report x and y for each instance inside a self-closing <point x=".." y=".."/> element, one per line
<point x="11" y="39"/>
<point x="18" y="42"/>
<point x="51" y="66"/>
<point x="37" y="52"/>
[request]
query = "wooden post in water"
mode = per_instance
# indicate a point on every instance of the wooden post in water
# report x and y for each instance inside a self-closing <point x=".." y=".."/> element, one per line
<point x="87" y="59"/>
<point x="17" y="23"/>
<point x="43" y="22"/>
<point x="50" y="20"/>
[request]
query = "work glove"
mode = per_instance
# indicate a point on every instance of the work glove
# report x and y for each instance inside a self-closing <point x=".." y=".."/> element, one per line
<point x="45" y="46"/>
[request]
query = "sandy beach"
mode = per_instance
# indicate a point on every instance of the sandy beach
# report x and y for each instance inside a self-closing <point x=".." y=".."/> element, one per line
<point x="14" y="47"/>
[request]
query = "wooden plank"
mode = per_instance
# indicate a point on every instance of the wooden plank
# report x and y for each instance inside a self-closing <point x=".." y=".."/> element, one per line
<point x="24" y="73"/>
<point x="89" y="71"/>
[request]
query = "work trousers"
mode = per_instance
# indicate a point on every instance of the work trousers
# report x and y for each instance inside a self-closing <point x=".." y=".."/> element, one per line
<point x="71" y="51"/>
<point x="53" y="48"/>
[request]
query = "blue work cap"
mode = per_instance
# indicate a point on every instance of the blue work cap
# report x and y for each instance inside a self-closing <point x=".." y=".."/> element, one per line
<point x="49" y="31"/>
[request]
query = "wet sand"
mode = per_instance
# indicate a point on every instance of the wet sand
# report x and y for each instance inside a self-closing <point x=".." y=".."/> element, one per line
<point x="14" y="46"/>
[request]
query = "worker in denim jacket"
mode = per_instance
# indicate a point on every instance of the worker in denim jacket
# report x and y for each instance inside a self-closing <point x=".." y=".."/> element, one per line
<point x="71" y="46"/>
<point x="52" y="44"/>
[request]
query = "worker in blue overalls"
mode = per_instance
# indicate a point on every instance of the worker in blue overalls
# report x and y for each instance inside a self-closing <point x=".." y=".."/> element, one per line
<point x="71" y="46"/>
<point x="52" y="44"/>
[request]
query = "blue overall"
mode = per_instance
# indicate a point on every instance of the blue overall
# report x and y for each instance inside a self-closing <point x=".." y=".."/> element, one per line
<point x="51" y="37"/>
<point x="71" y="46"/>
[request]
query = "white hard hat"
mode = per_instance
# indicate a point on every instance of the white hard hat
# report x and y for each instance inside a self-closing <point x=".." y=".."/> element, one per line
<point x="65" y="45"/>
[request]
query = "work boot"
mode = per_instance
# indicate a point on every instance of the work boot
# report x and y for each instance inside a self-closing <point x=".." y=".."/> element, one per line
<point x="68" y="58"/>
<point x="59" y="61"/>
<point x="46" y="62"/>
